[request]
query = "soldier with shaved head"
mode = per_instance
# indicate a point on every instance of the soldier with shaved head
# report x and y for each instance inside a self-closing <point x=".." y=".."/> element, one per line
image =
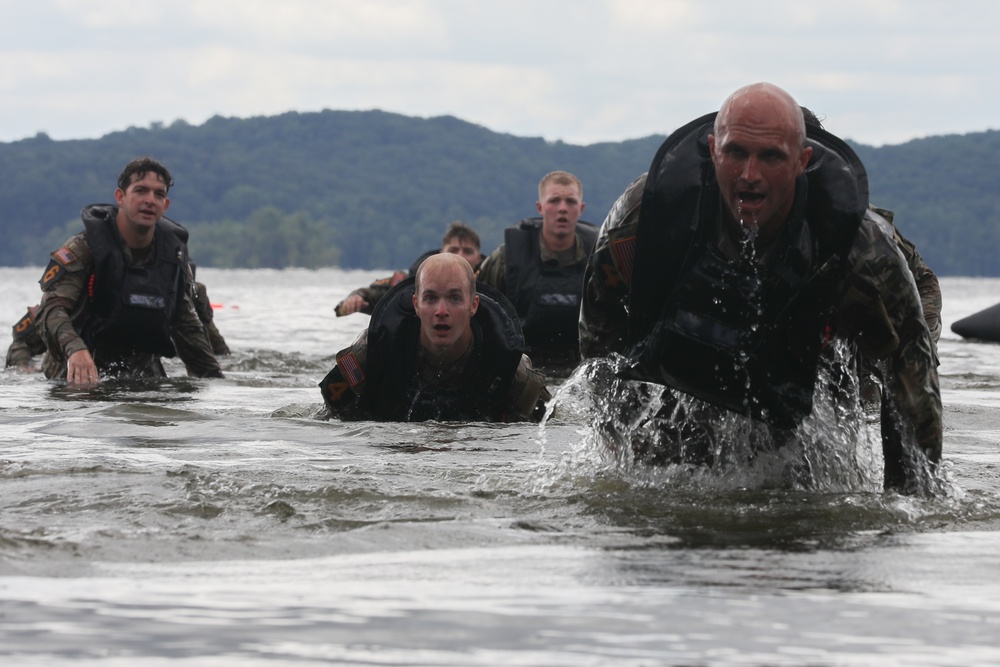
<point x="728" y="271"/>
<point x="438" y="348"/>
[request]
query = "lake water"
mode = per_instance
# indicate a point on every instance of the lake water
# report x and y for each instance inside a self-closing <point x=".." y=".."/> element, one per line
<point x="218" y="522"/>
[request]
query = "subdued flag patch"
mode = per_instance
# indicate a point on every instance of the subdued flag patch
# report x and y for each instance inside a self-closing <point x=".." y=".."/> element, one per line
<point x="352" y="371"/>
<point x="624" y="252"/>
<point x="64" y="255"/>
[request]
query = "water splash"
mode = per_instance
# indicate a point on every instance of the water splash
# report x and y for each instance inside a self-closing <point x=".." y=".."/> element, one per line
<point x="654" y="435"/>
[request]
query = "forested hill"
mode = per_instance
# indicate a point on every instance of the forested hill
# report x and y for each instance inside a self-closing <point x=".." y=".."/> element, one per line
<point x="373" y="189"/>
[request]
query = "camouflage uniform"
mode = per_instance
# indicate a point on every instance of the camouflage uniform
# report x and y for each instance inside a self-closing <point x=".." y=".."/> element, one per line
<point x="927" y="281"/>
<point x="65" y="300"/>
<point x="378" y="289"/>
<point x="552" y="341"/>
<point x="493" y="271"/>
<point x="525" y="400"/>
<point x="878" y="309"/>
<point x="374" y="292"/>
<point x="207" y="316"/>
<point x="27" y="343"/>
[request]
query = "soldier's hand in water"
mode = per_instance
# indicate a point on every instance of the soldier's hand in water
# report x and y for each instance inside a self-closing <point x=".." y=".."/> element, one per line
<point x="351" y="305"/>
<point x="81" y="370"/>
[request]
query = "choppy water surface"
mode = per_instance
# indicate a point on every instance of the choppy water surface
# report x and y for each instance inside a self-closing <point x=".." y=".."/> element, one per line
<point x="220" y="523"/>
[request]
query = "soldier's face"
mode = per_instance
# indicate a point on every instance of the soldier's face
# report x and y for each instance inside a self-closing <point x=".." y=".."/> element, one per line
<point x="144" y="202"/>
<point x="466" y="249"/>
<point x="445" y="307"/>
<point x="758" y="157"/>
<point x="560" y="207"/>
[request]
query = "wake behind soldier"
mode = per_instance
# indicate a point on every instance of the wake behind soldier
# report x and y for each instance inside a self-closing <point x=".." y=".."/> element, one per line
<point x="727" y="270"/>
<point x="118" y="296"/>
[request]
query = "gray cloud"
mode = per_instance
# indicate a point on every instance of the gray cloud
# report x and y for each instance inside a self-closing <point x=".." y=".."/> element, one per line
<point x="880" y="71"/>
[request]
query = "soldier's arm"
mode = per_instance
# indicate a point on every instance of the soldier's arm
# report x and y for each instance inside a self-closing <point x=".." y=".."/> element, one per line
<point x="363" y="299"/>
<point x="344" y="384"/>
<point x="203" y="307"/>
<point x="888" y="315"/>
<point x="63" y="295"/>
<point x="493" y="270"/>
<point x="26" y="343"/>
<point x="603" y="312"/>
<point x="19" y="355"/>
<point x="927" y="281"/>
<point x="528" y="393"/>
<point x="190" y="336"/>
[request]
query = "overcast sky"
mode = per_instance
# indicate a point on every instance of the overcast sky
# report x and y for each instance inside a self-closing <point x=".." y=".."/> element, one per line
<point x="878" y="71"/>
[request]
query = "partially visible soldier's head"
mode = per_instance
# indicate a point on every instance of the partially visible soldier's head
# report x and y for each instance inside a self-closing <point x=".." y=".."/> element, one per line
<point x="811" y="118"/>
<point x="138" y="168"/>
<point x="460" y="239"/>
<point x="445" y="300"/>
<point x="758" y="149"/>
<point x="560" y="201"/>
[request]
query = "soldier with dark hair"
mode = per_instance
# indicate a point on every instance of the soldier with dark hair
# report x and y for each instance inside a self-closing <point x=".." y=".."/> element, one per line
<point x="726" y="272"/>
<point x="120" y="295"/>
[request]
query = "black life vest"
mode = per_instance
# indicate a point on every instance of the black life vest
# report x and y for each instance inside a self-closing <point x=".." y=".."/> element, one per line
<point x="393" y="391"/>
<point x="735" y="333"/>
<point x="133" y="307"/>
<point x="547" y="296"/>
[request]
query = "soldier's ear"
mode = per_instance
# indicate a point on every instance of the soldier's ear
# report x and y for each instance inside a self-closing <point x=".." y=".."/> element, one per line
<point x="475" y="305"/>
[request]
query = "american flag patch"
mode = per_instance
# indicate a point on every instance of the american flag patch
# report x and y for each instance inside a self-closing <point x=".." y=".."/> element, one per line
<point x="624" y="254"/>
<point x="64" y="255"/>
<point x="352" y="371"/>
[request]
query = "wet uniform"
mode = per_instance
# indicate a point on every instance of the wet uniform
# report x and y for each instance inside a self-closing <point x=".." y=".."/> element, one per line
<point x="387" y="376"/>
<point x="26" y="342"/>
<point x="131" y="306"/>
<point x="544" y="286"/>
<point x="863" y="292"/>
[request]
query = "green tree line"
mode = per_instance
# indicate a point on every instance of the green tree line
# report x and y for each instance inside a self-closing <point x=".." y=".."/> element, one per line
<point x="371" y="189"/>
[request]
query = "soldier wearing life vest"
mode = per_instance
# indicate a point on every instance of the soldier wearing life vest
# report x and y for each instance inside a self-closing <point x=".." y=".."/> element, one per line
<point x="437" y="348"/>
<point x="540" y="268"/>
<point x="119" y="296"/>
<point x="726" y="271"/>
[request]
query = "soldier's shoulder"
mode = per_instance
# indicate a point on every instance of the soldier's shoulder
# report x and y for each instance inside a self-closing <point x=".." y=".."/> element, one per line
<point x="74" y="254"/>
<point x="624" y="212"/>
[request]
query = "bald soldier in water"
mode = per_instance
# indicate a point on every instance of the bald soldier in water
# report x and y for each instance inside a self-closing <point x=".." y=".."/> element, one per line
<point x="727" y="271"/>
<point x="437" y="348"/>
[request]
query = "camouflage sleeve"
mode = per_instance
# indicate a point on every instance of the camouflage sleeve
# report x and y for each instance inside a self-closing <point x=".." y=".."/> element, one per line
<point x="378" y="289"/>
<point x="927" y="281"/>
<point x="63" y="297"/>
<point x="604" y="310"/>
<point x="493" y="270"/>
<point x="203" y="307"/>
<point x="374" y="292"/>
<point x="882" y="310"/>
<point x="528" y="393"/>
<point x="26" y="341"/>
<point x="344" y="384"/>
<point x="190" y="337"/>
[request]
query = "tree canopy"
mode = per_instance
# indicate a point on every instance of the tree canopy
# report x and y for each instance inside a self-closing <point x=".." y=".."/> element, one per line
<point x="369" y="189"/>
